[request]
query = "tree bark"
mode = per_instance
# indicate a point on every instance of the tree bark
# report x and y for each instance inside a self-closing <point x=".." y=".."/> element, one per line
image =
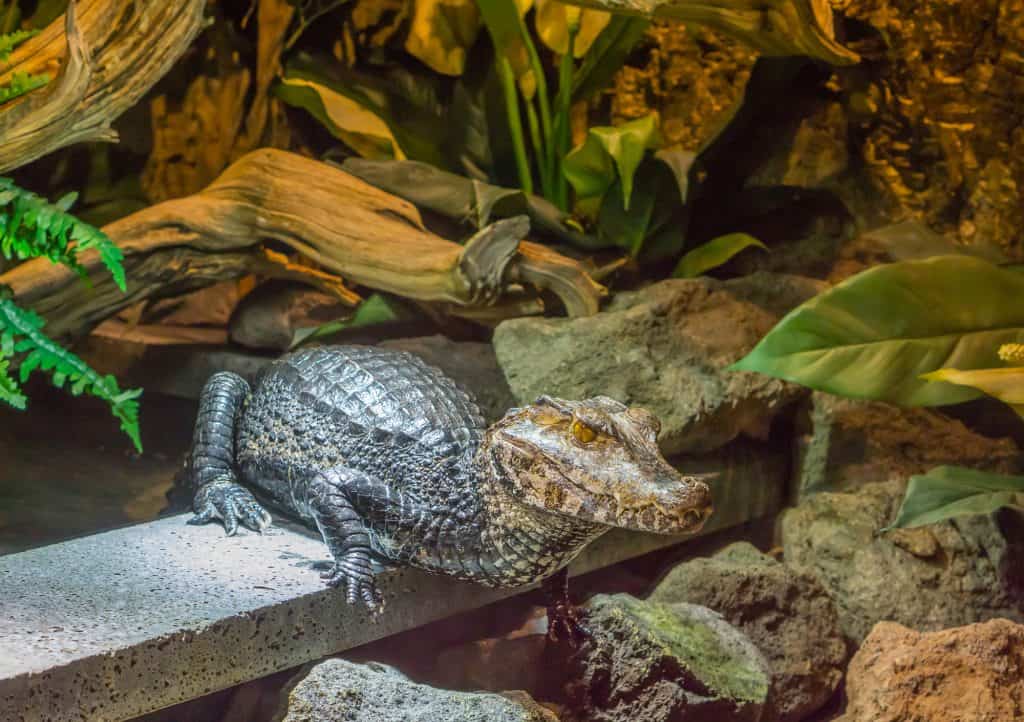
<point x="110" y="52"/>
<point x="344" y="225"/>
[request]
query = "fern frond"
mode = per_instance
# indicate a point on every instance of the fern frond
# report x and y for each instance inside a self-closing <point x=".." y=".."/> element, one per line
<point x="31" y="227"/>
<point x="10" y="41"/>
<point x="21" y="332"/>
<point x="22" y="83"/>
<point x="9" y="389"/>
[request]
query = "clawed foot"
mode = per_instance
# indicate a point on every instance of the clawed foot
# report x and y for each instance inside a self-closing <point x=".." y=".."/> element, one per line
<point x="566" y="623"/>
<point x="232" y="503"/>
<point x="352" y="572"/>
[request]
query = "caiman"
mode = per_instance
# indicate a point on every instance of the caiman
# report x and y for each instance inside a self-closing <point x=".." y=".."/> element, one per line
<point x="392" y="462"/>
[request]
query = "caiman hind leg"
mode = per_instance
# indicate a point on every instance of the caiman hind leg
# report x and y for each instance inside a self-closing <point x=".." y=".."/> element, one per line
<point x="345" y="532"/>
<point x="211" y="464"/>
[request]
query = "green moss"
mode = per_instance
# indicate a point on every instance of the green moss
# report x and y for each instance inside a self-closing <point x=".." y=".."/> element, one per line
<point x="697" y="647"/>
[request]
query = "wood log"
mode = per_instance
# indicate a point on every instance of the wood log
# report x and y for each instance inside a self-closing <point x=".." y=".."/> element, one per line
<point x="773" y="27"/>
<point x="110" y="52"/>
<point x="346" y="226"/>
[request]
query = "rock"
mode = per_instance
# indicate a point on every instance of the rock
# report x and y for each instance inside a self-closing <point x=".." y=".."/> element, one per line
<point x="845" y="443"/>
<point x="471" y="364"/>
<point x="268" y="317"/>
<point x="928" y="578"/>
<point x="971" y="673"/>
<point x="787" y="614"/>
<point x="663" y="348"/>
<point x="340" y="690"/>
<point x="659" y="662"/>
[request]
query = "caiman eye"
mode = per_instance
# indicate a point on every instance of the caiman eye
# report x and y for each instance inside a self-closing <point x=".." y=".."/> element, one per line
<point x="583" y="433"/>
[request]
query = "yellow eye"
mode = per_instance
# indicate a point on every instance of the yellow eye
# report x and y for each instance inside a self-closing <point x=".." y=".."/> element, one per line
<point x="583" y="433"/>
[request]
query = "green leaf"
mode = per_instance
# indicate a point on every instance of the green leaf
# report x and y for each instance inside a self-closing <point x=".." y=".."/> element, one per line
<point x="409" y="108"/>
<point x="625" y="227"/>
<point x="12" y="40"/>
<point x="9" y="390"/>
<point x="714" y="253"/>
<point x="375" y="309"/>
<point x="47" y="355"/>
<point x="346" y="118"/>
<point x="949" y="491"/>
<point x="504" y="21"/>
<point x="607" y="55"/>
<point x="875" y="334"/>
<point x="608" y="153"/>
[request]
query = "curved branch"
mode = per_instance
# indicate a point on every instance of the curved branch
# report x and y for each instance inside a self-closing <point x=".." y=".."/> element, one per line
<point x="346" y="226"/>
<point x="110" y="53"/>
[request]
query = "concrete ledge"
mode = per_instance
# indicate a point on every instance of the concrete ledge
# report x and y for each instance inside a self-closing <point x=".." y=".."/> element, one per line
<point x="118" y="624"/>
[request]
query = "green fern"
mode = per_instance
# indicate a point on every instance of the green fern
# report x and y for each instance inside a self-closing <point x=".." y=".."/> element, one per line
<point x="22" y="83"/>
<point x="31" y="227"/>
<point x="10" y="41"/>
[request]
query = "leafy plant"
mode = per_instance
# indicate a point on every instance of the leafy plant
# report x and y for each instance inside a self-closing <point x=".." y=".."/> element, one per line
<point x="876" y="334"/>
<point x="31" y="227"/>
<point x="20" y="83"/>
<point x="950" y="491"/>
<point x="714" y="253"/>
<point x="917" y="333"/>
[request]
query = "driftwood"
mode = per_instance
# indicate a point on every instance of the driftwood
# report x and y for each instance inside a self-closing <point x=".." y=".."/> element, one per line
<point x="110" y="52"/>
<point x="344" y="225"/>
<point x="773" y="27"/>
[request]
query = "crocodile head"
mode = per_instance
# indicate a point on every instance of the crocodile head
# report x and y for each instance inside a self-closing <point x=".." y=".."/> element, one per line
<point x="595" y="460"/>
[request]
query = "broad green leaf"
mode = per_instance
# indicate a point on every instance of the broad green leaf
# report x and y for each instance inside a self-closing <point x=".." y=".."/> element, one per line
<point x="442" y="32"/>
<point x="607" y="55"/>
<point x="1005" y="384"/>
<point x="949" y="491"/>
<point x="348" y="120"/>
<point x="504" y="21"/>
<point x="411" y="105"/>
<point x="608" y="153"/>
<point x="375" y="309"/>
<point x="625" y="227"/>
<point x="875" y="334"/>
<point x="552" y="20"/>
<point x="714" y="253"/>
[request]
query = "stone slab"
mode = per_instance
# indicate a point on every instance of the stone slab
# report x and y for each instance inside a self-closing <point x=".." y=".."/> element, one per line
<point x="115" y="625"/>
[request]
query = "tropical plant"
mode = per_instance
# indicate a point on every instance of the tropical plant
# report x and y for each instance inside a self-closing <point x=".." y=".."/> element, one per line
<point x="927" y="332"/>
<point x="31" y="227"/>
<point x="20" y="83"/>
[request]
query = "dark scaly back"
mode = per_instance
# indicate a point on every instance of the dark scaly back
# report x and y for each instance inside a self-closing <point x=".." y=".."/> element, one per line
<point x="387" y="412"/>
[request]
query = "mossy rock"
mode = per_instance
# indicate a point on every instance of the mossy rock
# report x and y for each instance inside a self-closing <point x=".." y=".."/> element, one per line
<point x="656" y="662"/>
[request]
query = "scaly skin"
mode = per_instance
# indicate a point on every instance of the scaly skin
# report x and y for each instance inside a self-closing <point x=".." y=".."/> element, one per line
<point x="390" y="460"/>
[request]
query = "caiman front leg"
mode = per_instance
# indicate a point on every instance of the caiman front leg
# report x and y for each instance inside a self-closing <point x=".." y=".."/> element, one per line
<point x="217" y="494"/>
<point x="565" y="620"/>
<point x="345" y="533"/>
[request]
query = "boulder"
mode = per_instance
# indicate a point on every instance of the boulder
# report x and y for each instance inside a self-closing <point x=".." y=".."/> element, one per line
<point x="340" y="690"/>
<point x="787" y="614"/>
<point x="659" y="662"/>
<point x="844" y="443"/>
<point x="928" y="578"/>
<point x="664" y="348"/>
<point x="268" y="317"/>
<point x="972" y="673"/>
